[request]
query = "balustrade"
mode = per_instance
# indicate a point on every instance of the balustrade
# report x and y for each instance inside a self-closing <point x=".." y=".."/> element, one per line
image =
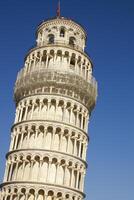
<point x="49" y="58"/>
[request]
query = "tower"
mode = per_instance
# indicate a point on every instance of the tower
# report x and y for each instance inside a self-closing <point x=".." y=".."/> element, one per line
<point x="54" y="93"/>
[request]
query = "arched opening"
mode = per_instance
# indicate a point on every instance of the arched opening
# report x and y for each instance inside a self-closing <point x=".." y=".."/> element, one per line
<point x="72" y="41"/>
<point x="44" y="170"/>
<point x="41" y="195"/>
<point x="51" y="39"/>
<point x="50" y="195"/>
<point x="62" y="32"/>
<point x="31" y="195"/>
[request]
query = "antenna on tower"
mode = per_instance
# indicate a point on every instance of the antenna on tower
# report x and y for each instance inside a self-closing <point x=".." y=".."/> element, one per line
<point x="58" y="9"/>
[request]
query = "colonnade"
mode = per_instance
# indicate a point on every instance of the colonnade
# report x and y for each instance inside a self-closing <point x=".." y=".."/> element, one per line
<point x="45" y="169"/>
<point x="23" y="193"/>
<point x="61" y="110"/>
<point x="51" y="58"/>
<point x="51" y="138"/>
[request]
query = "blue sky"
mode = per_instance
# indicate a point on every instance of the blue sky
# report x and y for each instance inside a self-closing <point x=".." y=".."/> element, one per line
<point x="109" y="25"/>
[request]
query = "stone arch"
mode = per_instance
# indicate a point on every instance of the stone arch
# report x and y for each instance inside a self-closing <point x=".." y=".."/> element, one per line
<point x="67" y="196"/>
<point x="66" y="114"/>
<point x="72" y="41"/>
<point x="24" y="143"/>
<point x="58" y="59"/>
<point x="35" y="168"/>
<point x="73" y="119"/>
<point x="22" y="194"/>
<point x="72" y="62"/>
<point x="32" y="139"/>
<point x="18" y="142"/>
<point x="75" y="178"/>
<point x="56" y="141"/>
<point x="62" y="31"/>
<point x="27" y="170"/>
<point x="65" y="60"/>
<point x="50" y="195"/>
<point x="48" y="138"/>
<point x="64" y="143"/>
<point x="71" y="146"/>
<point x="13" y="171"/>
<point x="77" y="148"/>
<point x="51" y="59"/>
<point x="41" y="195"/>
<point x="59" y="115"/>
<point x="44" y="109"/>
<point x="84" y="68"/>
<point x="67" y="177"/>
<point x="52" y="171"/>
<point x="51" y="113"/>
<point x="20" y="171"/>
<point x="36" y="110"/>
<point x="31" y="194"/>
<point x="39" y="140"/>
<point x="51" y="39"/>
<point x="60" y="175"/>
<point x="44" y="58"/>
<point x="29" y="109"/>
<point x="44" y="169"/>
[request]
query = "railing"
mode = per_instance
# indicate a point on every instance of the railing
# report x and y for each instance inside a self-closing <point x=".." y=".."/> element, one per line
<point x="57" y="43"/>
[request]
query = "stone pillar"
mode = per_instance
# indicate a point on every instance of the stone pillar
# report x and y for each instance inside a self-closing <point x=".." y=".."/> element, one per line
<point x="33" y="105"/>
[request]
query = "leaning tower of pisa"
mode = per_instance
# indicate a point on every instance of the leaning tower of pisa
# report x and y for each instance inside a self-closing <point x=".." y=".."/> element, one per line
<point x="54" y="93"/>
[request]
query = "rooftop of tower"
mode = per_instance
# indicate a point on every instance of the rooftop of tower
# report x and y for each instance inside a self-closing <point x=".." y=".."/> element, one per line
<point x="62" y="19"/>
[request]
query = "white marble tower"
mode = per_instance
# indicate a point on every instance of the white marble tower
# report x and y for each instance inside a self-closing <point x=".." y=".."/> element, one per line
<point x="55" y="93"/>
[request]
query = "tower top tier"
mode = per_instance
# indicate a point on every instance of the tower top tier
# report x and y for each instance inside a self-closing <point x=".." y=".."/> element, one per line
<point x="61" y="31"/>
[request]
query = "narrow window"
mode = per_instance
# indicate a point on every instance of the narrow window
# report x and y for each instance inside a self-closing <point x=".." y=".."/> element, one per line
<point x="62" y="32"/>
<point x="51" y="39"/>
<point x="72" y="41"/>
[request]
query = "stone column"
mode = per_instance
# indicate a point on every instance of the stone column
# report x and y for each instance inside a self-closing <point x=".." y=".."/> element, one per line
<point x="16" y="169"/>
<point x="33" y="104"/>
<point x="6" y="172"/>
<point x="26" y="111"/>
<point x="71" y="110"/>
<point x="68" y="142"/>
<point x="74" y="149"/>
<point x="57" y="169"/>
<point x="16" y="141"/>
<point x="60" y="141"/>
<point x="77" y="178"/>
<point x="48" y="170"/>
<point x="44" y="137"/>
<point x="47" y="60"/>
<point x="79" y="154"/>
<point x="31" y="168"/>
<point x="10" y="172"/>
<point x="81" y="120"/>
<point x="21" y="111"/>
<point x="40" y="107"/>
<point x="53" y="138"/>
<point x="72" y="177"/>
